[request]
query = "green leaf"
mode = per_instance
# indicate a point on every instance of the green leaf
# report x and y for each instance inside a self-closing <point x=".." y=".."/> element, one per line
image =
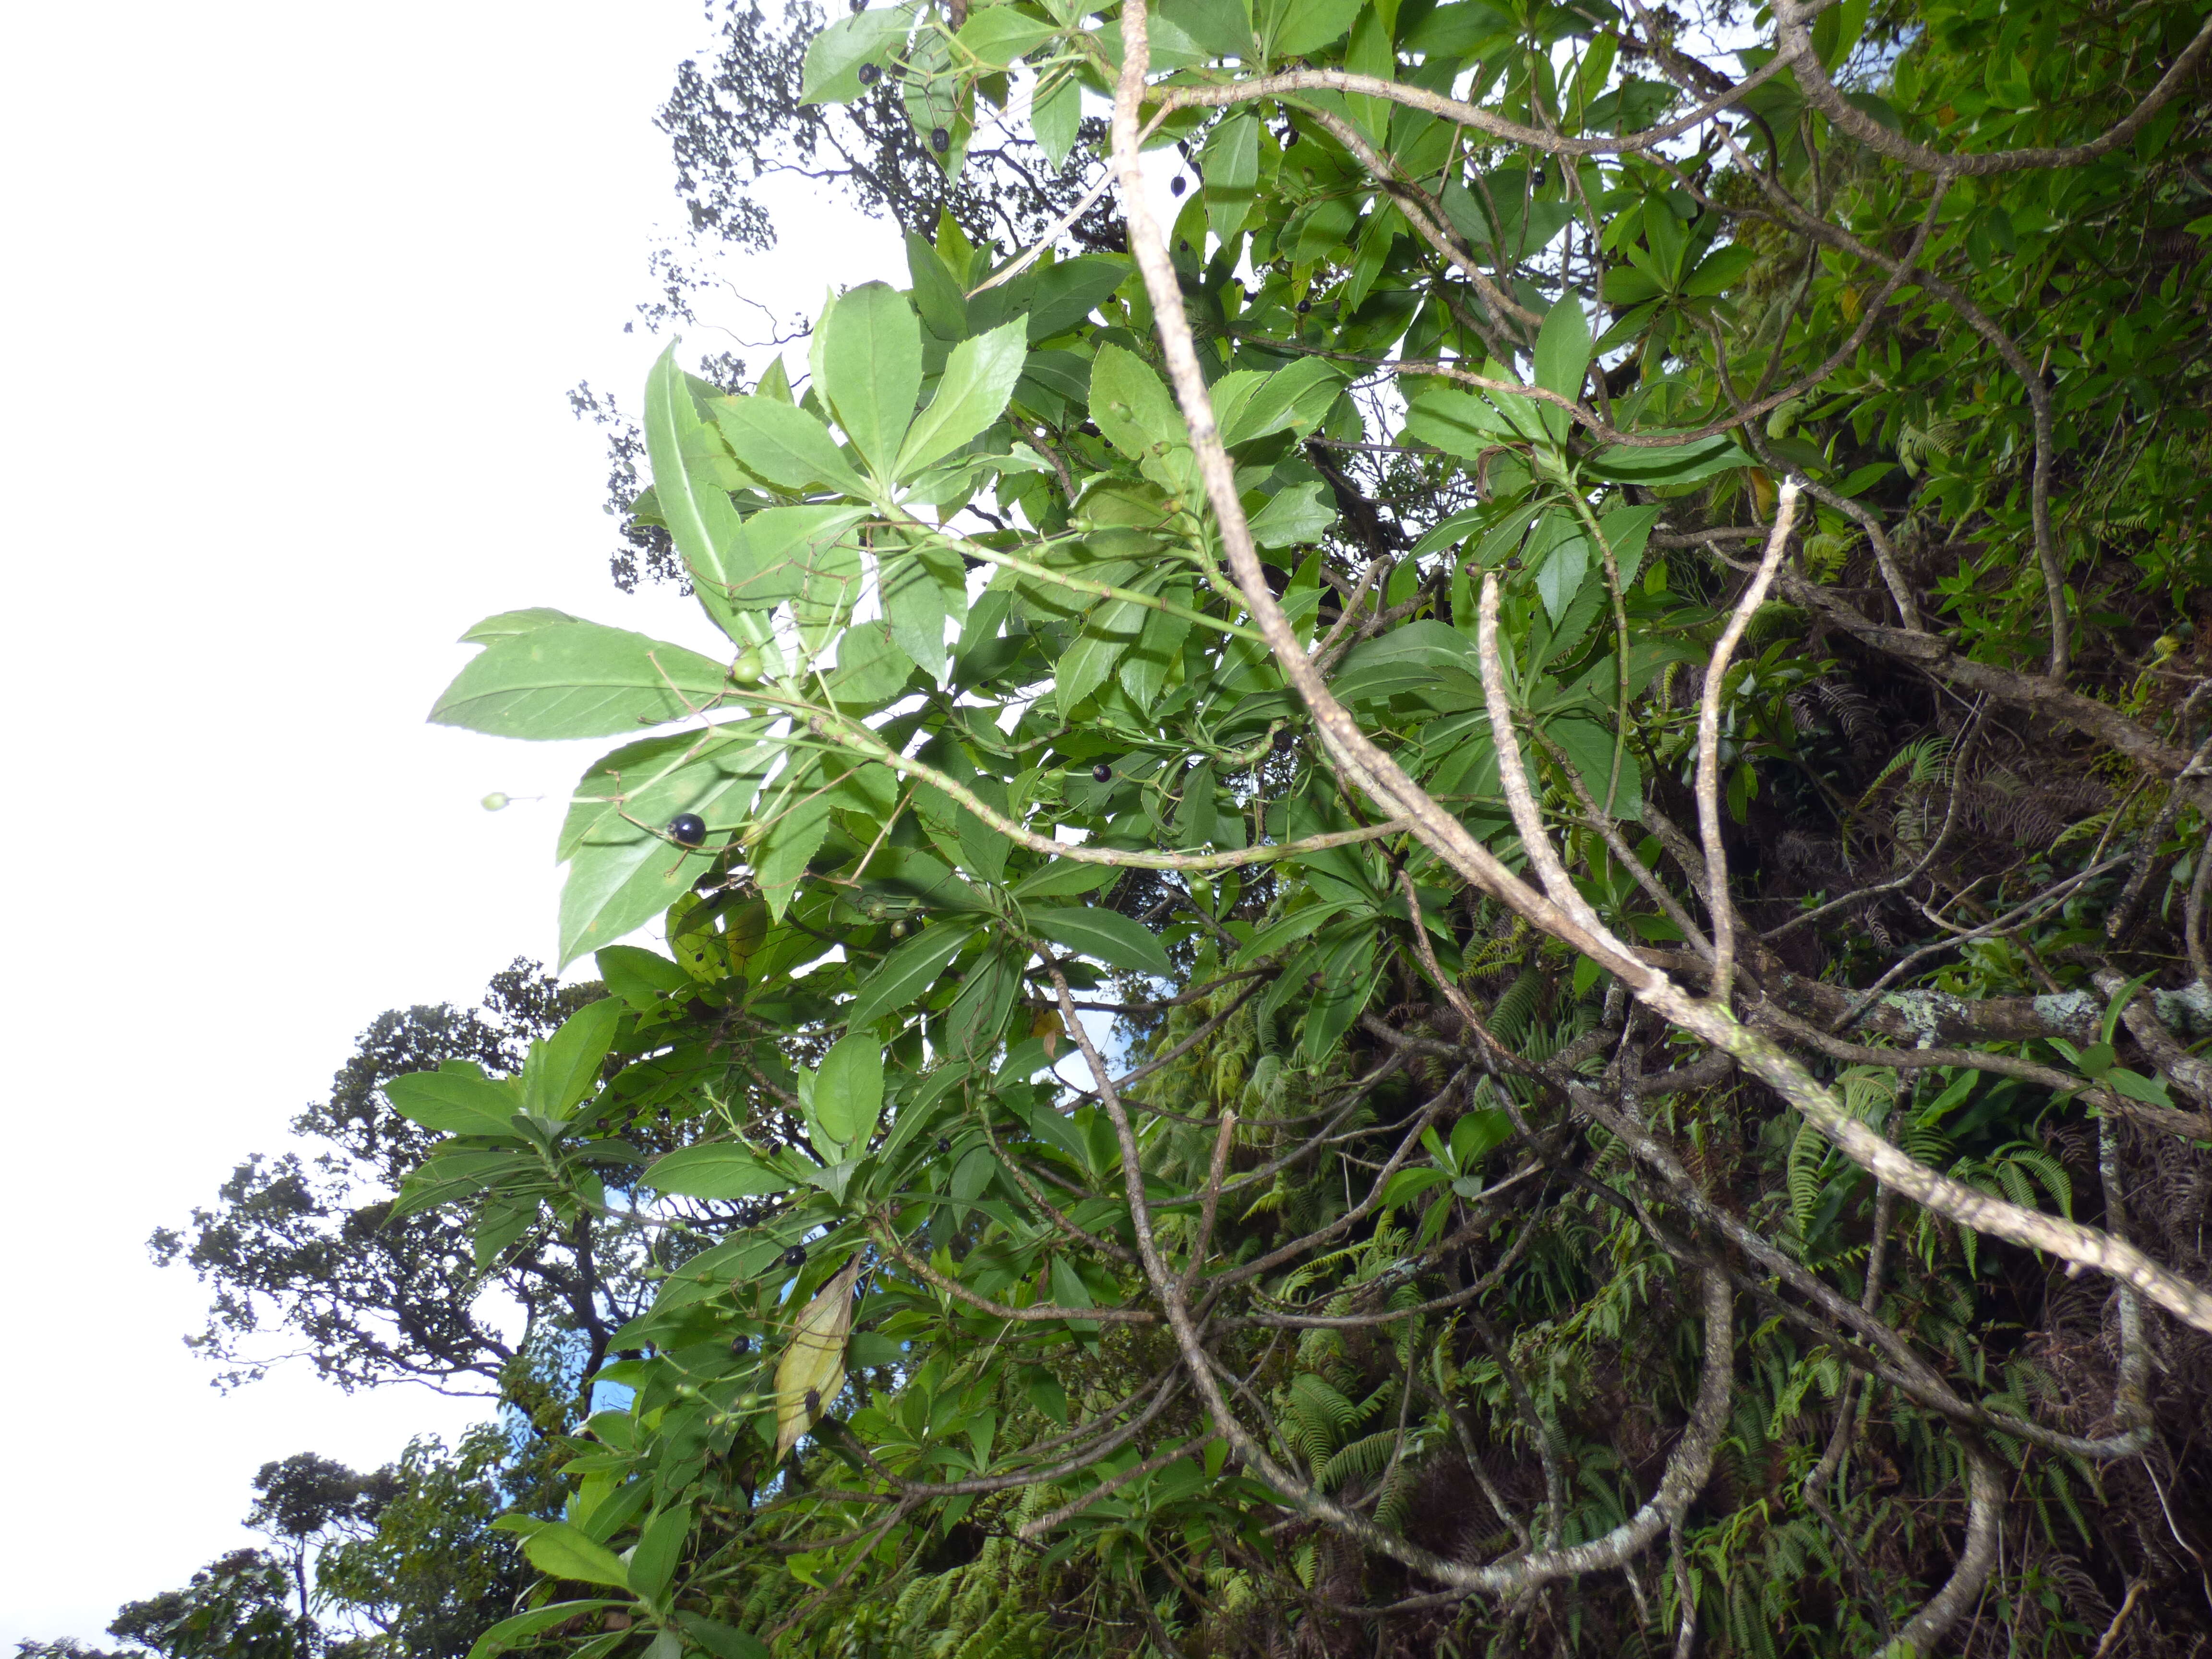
<point x="1630" y="285"/>
<point x="872" y="367"/>
<point x="1589" y="747"/>
<point x="515" y="622"/>
<point x="562" y="1071"/>
<point x="871" y="671"/>
<point x="977" y="1017"/>
<point x="1196" y="821"/>
<point x="735" y="565"/>
<point x="578" y="680"/>
<point x="1561" y="559"/>
<point x="1048" y="1396"/>
<point x="620" y="872"/>
<point x="723" y="1641"/>
<point x="918" y="1107"/>
<point x="848" y="1089"/>
<point x="511" y="1633"/>
<point x="1288" y="931"/>
<point x="1411" y="1183"/>
<point x="1171" y="49"/>
<point x="698" y="516"/>
<point x="1143" y="669"/>
<point x="1670" y="463"/>
<point x="1409" y="657"/>
<point x="2115" y="1005"/>
<point x="785" y="445"/>
<point x="1132" y="407"/>
<point x="659" y="1548"/>
<point x="1068" y="1289"/>
<point x="561" y="1551"/>
<point x="638" y="976"/>
<point x="1477" y="1135"/>
<point x="829" y="595"/>
<point x="1231" y="164"/>
<point x="908" y="971"/>
<point x="1719" y="271"/>
<point x="1000" y="34"/>
<point x="500" y="1221"/>
<point x="455" y="1172"/>
<point x="1065" y="293"/>
<point x="779" y="547"/>
<point x="1111" y="627"/>
<point x="1295" y="516"/>
<point x="1119" y="941"/>
<point x="792" y="838"/>
<point x="937" y="291"/>
<point x="922" y="588"/>
<point x="2136" y="1086"/>
<point x="1465" y="214"/>
<point x="1222" y="28"/>
<point x="983" y="850"/>
<point x="1626" y="530"/>
<point x="1348" y="977"/>
<point x="1064" y="877"/>
<point x="1562" y="355"/>
<point x="834" y="56"/>
<point x="454" y="1104"/>
<point x="978" y="378"/>
<point x="1457" y="422"/>
<point x="718" y="1169"/>
<point x="1296" y="400"/>
<point x="1056" y="117"/>
<point x="1305" y="26"/>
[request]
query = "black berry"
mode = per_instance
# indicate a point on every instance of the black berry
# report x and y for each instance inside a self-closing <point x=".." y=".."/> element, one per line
<point x="870" y="75"/>
<point x="1102" y="772"/>
<point x="859" y="6"/>
<point x="942" y="1145"/>
<point x="741" y="1345"/>
<point x="1285" y="740"/>
<point x="1289" y="136"/>
<point x="1304" y="306"/>
<point x="1182" y="247"/>
<point x="813" y="1403"/>
<point x="795" y="1256"/>
<point x="940" y="140"/>
<point x="687" y="829"/>
<point x="1176" y="186"/>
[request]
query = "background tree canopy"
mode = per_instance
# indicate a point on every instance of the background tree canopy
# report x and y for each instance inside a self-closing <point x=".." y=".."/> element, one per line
<point x="1596" y="653"/>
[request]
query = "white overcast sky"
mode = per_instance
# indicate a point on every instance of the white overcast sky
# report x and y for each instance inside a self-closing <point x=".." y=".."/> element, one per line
<point x="293" y="296"/>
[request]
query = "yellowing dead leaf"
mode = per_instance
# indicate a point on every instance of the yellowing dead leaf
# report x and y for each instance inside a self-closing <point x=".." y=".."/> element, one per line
<point x="1046" y="1023"/>
<point x="812" y="1370"/>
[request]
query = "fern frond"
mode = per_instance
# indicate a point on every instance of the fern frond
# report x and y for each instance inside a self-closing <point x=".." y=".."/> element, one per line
<point x="2050" y="1173"/>
<point x="1362" y="1459"/>
<point x="1807" y="1152"/>
<point x="1517" y="1006"/>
